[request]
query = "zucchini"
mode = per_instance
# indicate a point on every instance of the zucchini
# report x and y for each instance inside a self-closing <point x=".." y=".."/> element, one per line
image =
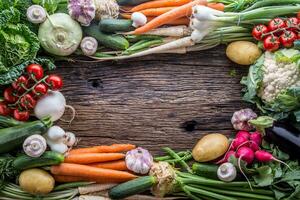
<point x="131" y="2"/>
<point x="132" y="187"/>
<point x="116" y="42"/>
<point x="8" y="122"/>
<point x="206" y="170"/>
<point x="47" y="159"/>
<point x="115" y="25"/>
<point x="13" y="137"/>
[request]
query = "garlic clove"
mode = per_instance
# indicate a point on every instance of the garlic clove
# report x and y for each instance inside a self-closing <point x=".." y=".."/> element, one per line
<point x="35" y="145"/>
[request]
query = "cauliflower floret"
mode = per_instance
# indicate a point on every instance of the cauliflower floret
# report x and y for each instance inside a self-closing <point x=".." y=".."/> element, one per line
<point x="277" y="77"/>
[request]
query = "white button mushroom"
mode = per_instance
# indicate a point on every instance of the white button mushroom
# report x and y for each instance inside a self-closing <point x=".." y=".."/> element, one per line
<point x="226" y="172"/>
<point x="139" y="19"/>
<point x="36" y="14"/>
<point x="35" y="146"/>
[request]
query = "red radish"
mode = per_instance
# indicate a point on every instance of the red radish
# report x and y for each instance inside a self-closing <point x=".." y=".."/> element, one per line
<point x="244" y="134"/>
<point x="256" y="137"/>
<point x="238" y="142"/>
<point x="264" y="156"/>
<point x="226" y="157"/>
<point x="254" y="146"/>
<point x="246" y="154"/>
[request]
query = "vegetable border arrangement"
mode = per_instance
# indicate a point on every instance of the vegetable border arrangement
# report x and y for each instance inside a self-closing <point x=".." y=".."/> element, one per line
<point x="40" y="160"/>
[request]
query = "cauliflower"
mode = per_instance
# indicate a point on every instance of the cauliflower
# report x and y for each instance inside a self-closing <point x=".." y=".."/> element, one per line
<point x="277" y="77"/>
<point x="273" y="84"/>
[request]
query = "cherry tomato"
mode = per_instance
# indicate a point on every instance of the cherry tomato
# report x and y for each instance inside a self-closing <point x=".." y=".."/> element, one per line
<point x="40" y="89"/>
<point x="10" y="95"/>
<point x="21" y="115"/>
<point x="4" y="109"/>
<point x="258" y="31"/>
<point x="35" y="70"/>
<point x="287" y="38"/>
<point x="28" y="102"/>
<point x="55" y="82"/>
<point x="292" y="22"/>
<point x="276" y="24"/>
<point x="271" y="43"/>
<point x="20" y="83"/>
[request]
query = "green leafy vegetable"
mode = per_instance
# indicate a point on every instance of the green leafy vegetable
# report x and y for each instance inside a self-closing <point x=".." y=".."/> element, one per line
<point x="50" y="5"/>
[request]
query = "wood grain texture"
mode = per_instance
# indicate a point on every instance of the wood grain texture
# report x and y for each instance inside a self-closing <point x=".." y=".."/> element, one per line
<point x="156" y="101"/>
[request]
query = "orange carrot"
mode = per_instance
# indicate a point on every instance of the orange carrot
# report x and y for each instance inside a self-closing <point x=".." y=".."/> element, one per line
<point x="159" y="4"/>
<point x="216" y="6"/>
<point x="70" y="179"/>
<point x="154" y="12"/>
<point x="116" y="165"/>
<point x="88" y="158"/>
<point x="115" y="148"/>
<point x="180" y="21"/>
<point x="182" y="11"/>
<point x="92" y="173"/>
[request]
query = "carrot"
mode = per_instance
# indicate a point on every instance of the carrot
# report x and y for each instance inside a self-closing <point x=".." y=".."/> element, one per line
<point x="87" y="158"/>
<point x="116" y="165"/>
<point x="93" y="173"/>
<point x="176" y="13"/>
<point x="216" y="6"/>
<point x="154" y="12"/>
<point x="115" y="148"/>
<point x="180" y="21"/>
<point x="159" y="4"/>
<point x="71" y="179"/>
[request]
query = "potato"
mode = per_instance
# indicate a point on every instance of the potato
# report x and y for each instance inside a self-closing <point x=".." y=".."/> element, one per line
<point x="243" y="52"/>
<point x="36" y="181"/>
<point x="210" y="147"/>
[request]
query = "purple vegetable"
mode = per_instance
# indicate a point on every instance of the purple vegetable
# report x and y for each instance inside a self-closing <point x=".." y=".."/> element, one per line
<point x="82" y="10"/>
<point x="240" y="119"/>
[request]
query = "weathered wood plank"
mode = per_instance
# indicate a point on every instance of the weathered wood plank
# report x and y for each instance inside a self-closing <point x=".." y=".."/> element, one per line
<point x="162" y="100"/>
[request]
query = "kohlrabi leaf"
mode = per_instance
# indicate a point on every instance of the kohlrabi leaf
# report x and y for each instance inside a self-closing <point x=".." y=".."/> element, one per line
<point x="262" y="122"/>
<point x="50" y="5"/>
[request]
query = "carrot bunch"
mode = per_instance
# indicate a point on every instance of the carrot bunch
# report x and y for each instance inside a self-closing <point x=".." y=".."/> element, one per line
<point x="168" y="12"/>
<point x="101" y="164"/>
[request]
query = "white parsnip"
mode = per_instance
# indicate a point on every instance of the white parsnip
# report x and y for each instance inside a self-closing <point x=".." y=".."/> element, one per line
<point x="173" y="31"/>
<point x="95" y="188"/>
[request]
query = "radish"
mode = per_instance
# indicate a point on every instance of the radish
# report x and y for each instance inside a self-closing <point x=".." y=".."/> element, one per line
<point x="244" y="134"/>
<point x="246" y="154"/>
<point x="238" y="142"/>
<point x="254" y="146"/>
<point x="226" y="157"/>
<point x="53" y="104"/>
<point x="264" y="156"/>
<point x="256" y="137"/>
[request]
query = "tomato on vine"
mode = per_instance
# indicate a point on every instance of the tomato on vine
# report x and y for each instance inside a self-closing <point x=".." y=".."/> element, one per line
<point x="40" y="89"/>
<point x="4" y="109"/>
<point x="292" y="23"/>
<point x="36" y="71"/>
<point x="9" y="95"/>
<point x="258" y="31"/>
<point x="20" y="83"/>
<point x="27" y="101"/>
<point x="276" y="24"/>
<point x="21" y="115"/>
<point x="55" y="82"/>
<point x="287" y="38"/>
<point x="271" y="43"/>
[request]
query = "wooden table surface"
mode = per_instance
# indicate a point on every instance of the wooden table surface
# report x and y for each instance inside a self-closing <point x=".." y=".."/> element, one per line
<point x="155" y="101"/>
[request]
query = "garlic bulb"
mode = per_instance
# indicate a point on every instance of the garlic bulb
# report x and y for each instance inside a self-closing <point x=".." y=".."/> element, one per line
<point x="89" y="46"/>
<point x="240" y="119"/>
<point x="139" y="160"/>
<point x="36" y="14"/>
<point x="35" y="146"/>
<point x="106" y="9"/>
<point x="70" y="139"/>
<point x="138" y="19"/>
<point x="83" y="11"/>
<point x="55" y="133"/>
<point x="226" y="172"/>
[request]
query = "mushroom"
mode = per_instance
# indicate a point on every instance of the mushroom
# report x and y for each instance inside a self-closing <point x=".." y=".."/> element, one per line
<point x="138" y="19"/>
<point x="82" y="11"/>
<point x="36" y="14"/>
<point x="89" y="46"/>
<point x="35" y="146"/>
<point x="226" y="172"/>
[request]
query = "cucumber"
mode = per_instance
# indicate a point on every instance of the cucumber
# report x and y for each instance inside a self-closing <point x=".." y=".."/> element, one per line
<point x="206" y="170"/>
<point x="132" y="187"/>
<point x="13" y="137"/>
<point x="131" y="2"/>
<point x="116" y="42"/>
<point x="8" y="122"/>
<point x="47" y="159"/>
<point x="115" y="25"/>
